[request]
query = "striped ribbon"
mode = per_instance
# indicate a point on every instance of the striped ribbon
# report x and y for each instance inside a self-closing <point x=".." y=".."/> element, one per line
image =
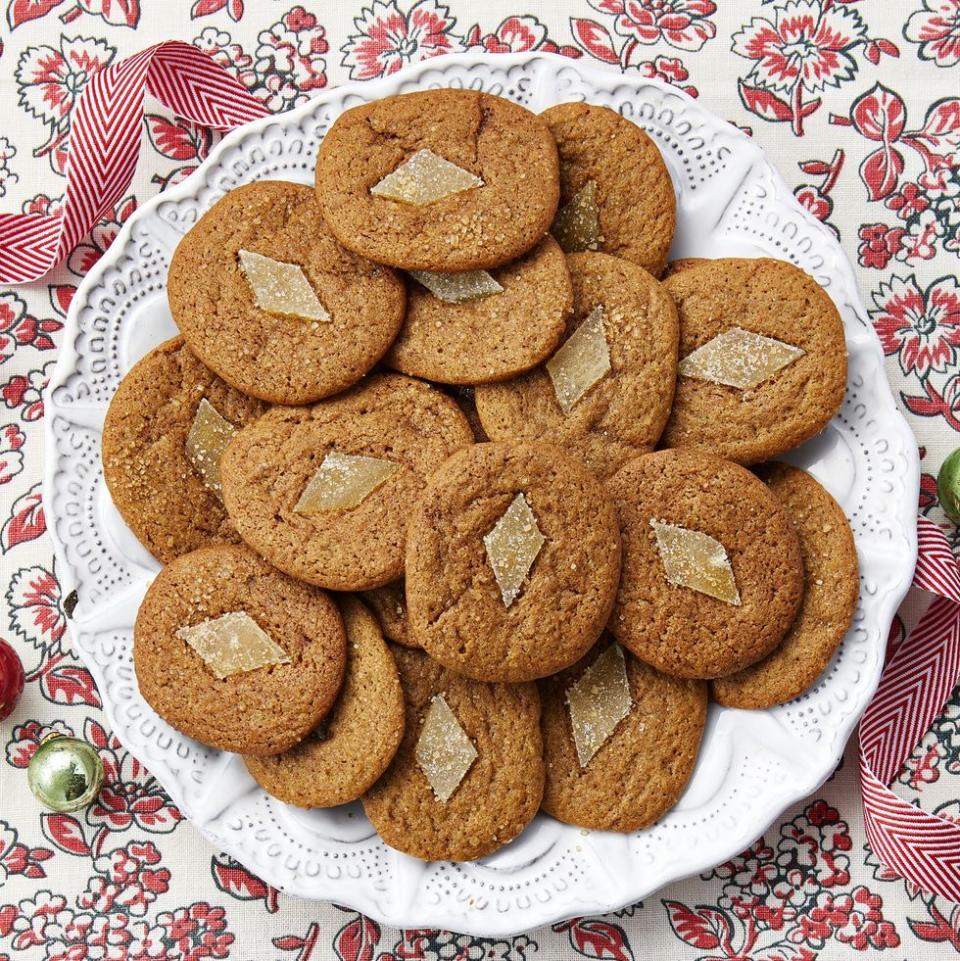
<point x="104" y="146"/>
<point x="105" y="142"/>
<point x="916" y="683"/>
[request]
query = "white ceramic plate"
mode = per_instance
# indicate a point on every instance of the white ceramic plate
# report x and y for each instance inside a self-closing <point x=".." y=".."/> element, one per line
<point x="752" y="765"/>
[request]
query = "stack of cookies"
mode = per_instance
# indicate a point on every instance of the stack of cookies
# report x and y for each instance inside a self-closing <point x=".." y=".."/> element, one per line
<point x="466" y="498"/>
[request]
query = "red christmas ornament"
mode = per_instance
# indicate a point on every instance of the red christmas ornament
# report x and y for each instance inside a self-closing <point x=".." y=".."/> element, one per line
<point x="11" y="679"/>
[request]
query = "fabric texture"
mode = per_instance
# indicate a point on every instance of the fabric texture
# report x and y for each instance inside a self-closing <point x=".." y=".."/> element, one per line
<point x="857" y="103"/>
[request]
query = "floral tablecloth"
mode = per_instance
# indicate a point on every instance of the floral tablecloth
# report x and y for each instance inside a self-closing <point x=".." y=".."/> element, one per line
<point x="857" y="102"/>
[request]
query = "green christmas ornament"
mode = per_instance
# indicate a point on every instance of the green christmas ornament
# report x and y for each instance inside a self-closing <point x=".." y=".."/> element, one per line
<point x="65" y="774"/>
<point x="948" y="486"/>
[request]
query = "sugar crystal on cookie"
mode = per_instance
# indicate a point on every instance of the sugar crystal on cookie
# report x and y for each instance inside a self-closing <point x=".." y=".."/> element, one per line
<point x="233" y="643"/>
<point x="598" y="702"/>
<point x="577" y="226"/>
<point x="696" y="560"/>
<point x="444" y="752"/>
<point x="512" y="547"/>
<point x="209" y="435"/>
<point x="281" y="288"/>
<point x="458" y="287"/>
<point x="580" y="362"/>
<point x="424" y="179"/>
<point x="343" y="481"/>
<point x="738" y="358"/>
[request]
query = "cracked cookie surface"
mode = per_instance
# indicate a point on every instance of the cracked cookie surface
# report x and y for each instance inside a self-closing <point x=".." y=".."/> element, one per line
<point x="507" y="147"/>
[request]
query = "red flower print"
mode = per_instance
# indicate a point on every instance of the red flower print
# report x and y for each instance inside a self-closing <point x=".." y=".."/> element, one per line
<point x="85" y="255"/>
<point x="936" y="28"/>
<point x="38" y="918"/>
<point x="50" y="82"/>
<point x="921" y="327"/>
<point x="878" y="244"/>
<point x="11" y="456"/>
<point x="811" y="197"/>
<point x="807" y="42"/>
<point x="667" y="69"/>
<point x="33" y="599"/>
<point x="198" y="931"/>
<point x="28" y="736"/>
<point x="24" y="392"/>
<point x="388" y="39"/>
<point x="219" y="46"/>
<point x="855" y="919"/>
<point x="517" y="35"/>
<point x="289" y="59"/>
<point x="44" y="205"/>
<point x="683" y="24"/>
<point x="20" y="329"/>
<point x="131" y="796"/>
<point x="17" y="858"/>
<point x="127" y="879"/>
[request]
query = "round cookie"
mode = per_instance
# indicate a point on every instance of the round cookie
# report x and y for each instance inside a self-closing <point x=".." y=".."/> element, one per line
<point x="829" y="602"/>
<point x="155" y="487"/>
<point x="624" y="413"/>
<point x="635" y="198"/>
<point x="489" y="338"/>
<point x="389" y="604"/>
<point x="506" y="146"/>
<point x="498" y="795"/>
<point x="269" y="464"/>
<point x="263" y="711"/>
<point x="774" y="299"/>
<point x="354" y="744"/>
<point x="678" y="629"/>
<point x="641" y="769"/>
<point x="278" y="357"/>
<point x="455" y="607"/>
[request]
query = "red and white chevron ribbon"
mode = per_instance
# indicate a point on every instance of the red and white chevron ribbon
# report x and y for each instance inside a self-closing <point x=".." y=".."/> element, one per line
<point x="105" y="141"/>
<point x="916" y="683"/>
<point x="104" y="145"/>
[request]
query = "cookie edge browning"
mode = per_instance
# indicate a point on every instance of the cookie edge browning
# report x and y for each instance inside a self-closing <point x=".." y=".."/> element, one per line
<point x="745" y="689"/>
<point x="564" y="808"/>
<point x="391" y="709"/>
<point x="235" y="747"/>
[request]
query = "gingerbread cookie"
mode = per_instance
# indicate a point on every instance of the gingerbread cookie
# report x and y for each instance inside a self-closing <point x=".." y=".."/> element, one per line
<point x="235" y="654"/>
<point x="161" y="475"/>
<point x="712" y="571"/>
<point x="763" y="361"/>
<point x="468" y="776"/>
<point x="513" y="559"/>
<point x="266" y="297"/>
<point x="389" y="603"/>
<point x="829" y="602"/>
<point x="507" y="322"/>
<point x="323" y="492"/>
<point x="445" y="180"/>
<point x="615" y="190"/>
<point x="683" y="263"/>
<point x="605" y="394"/>
<point x="620" y="740"/>
<point x="353" y="745"/>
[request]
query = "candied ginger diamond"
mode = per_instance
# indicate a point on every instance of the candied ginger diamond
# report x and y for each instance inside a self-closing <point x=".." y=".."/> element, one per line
<point x="281" y="288"/>
<point x="577" y="225"/>
<point x="343" y="481"/>
<point x="424" y="179"/>
<point x="738" y="358"/>
<point x="233" y="643"/>
<point x="444" y="752"/>
<point x="582" y="361"/>
<point x="696" y="560"/>
<point x="209" y="435"/>
<point x="598" y="702"/>
<point x="512" y="547"/>
<point x="458" y="287"/>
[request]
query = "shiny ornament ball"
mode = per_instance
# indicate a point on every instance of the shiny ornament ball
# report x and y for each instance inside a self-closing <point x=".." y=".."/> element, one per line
<point x="65" y="774"/>
<point x="948" y="486"/>
<point x="11" y="679"/>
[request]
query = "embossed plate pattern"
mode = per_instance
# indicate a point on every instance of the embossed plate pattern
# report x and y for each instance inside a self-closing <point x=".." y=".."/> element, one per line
<point x="753" y="764"/>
